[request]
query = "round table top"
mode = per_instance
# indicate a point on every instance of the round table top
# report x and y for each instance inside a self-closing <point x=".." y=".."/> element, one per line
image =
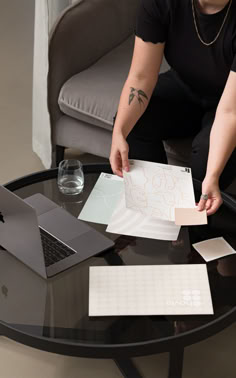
<point x="53" y="314"/>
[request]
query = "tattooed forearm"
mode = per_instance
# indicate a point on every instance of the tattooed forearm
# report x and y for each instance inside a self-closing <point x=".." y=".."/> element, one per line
<point x="139" y="94"/>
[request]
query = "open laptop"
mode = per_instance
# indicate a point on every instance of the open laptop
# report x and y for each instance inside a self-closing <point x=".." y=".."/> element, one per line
<point x="44" y="236"/>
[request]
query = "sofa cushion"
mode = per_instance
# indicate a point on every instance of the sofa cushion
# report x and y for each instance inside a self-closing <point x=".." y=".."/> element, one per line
<point x="83" y="136"/>
<point x="93" y="95"/>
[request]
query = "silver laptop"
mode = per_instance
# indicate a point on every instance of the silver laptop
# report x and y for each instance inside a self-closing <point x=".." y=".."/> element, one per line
<point x="44" y="236"/>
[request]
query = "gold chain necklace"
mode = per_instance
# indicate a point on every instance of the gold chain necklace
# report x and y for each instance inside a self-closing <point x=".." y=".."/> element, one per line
<point x="217" y="35"/>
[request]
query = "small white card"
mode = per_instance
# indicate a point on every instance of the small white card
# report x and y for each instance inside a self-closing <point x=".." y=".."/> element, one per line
<point x="214" y="248"/>
<point x="149" y="290"/>
<point x="103" y="199"/>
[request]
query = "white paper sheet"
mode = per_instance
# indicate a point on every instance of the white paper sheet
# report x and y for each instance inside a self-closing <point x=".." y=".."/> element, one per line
<point x="149" y="290"/>
<point x="128" y="222"/>
<point x="103" y="199"/>
<point x="156" y="189"/>
<point x="214" y="248"/>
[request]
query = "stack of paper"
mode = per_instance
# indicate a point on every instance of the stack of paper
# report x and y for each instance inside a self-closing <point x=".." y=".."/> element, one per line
<point x="157" y="189"/>
<point x="152" y="191"/>
<point x="144" y="203"/>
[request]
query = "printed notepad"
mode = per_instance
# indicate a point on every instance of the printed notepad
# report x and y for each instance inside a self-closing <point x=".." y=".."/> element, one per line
<point x="149" y="290"/>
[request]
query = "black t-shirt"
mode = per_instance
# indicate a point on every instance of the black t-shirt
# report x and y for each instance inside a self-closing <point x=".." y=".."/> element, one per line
<point x="204" y="68"/>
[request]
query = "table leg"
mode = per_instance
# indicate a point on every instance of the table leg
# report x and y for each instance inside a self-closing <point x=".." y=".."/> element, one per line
<point x="176" y="358"/>
<point x="127" y="368"/>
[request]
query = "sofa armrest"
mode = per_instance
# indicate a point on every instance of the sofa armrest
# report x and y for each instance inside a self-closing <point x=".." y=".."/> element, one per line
<point x="85" y="32"/>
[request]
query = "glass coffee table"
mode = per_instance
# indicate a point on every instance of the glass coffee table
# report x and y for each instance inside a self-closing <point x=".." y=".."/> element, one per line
<point x="53" y="316"/>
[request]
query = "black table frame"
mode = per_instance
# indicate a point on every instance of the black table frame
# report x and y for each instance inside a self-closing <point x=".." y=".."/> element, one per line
<point x="120" y="353"/>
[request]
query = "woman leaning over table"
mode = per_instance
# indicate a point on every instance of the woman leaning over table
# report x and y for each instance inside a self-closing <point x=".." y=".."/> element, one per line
<point x="196" y="97"/>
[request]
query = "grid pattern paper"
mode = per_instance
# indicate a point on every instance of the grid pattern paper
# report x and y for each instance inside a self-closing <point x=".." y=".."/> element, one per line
<point x="149" y="290"/>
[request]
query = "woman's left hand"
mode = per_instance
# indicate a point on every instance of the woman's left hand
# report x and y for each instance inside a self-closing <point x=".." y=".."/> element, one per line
<point x="210" y="187"/>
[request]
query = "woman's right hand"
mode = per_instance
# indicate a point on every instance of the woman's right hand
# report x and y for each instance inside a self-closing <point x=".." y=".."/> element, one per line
<point x="119" y="154"/>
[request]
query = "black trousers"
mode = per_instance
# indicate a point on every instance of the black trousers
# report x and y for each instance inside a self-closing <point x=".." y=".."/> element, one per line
<point x="175" y="111"/>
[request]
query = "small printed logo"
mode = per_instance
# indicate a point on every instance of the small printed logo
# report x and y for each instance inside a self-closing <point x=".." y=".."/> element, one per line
<point x="107" y="175"/>
<point x="187" y="170"/>
<point x="1" y="218"/>
<point x="190" y="298"/>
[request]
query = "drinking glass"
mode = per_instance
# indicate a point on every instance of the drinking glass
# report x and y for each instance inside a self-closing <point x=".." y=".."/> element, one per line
<point x="70" y="178"/>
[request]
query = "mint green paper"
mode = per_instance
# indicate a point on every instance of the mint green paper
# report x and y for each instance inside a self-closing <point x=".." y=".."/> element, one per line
<point x="103" y="199"/>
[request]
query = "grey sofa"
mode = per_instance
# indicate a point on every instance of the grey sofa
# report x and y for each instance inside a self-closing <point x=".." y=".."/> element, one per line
<point x="90" y="51"/>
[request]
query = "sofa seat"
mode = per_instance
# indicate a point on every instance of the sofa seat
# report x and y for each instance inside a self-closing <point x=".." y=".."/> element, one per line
<point x="92" y="96"/>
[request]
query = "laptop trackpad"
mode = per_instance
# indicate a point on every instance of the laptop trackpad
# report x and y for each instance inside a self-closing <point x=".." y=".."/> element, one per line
<point x="62" y="225"/>
<point x="91" y="243"/>
<point x="40" y="203"/>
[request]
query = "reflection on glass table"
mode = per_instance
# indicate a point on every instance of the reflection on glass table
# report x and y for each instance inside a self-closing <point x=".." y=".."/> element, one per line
<point x="53" y="315"/>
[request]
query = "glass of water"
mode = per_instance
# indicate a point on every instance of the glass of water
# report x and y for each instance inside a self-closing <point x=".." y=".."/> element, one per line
<point x="70" y="178"/>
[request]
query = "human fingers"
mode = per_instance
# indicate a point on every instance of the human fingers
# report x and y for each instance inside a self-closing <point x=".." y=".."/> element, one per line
<point x="116" y="164"/>
<point x="215" y="204"/>
<point x="203" y="202"/>
<point x="125" y="160"/>
<point x="211" y="195"/>
<point x="119" y="154"/>
<point x="208" y="203"/>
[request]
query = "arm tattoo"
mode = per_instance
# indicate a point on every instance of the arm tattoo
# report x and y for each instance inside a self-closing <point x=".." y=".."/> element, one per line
<point x="138" y="93"/>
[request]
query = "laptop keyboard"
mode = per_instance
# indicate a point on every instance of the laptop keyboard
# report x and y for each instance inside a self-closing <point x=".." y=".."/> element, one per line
<point x="53" y="249"/>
